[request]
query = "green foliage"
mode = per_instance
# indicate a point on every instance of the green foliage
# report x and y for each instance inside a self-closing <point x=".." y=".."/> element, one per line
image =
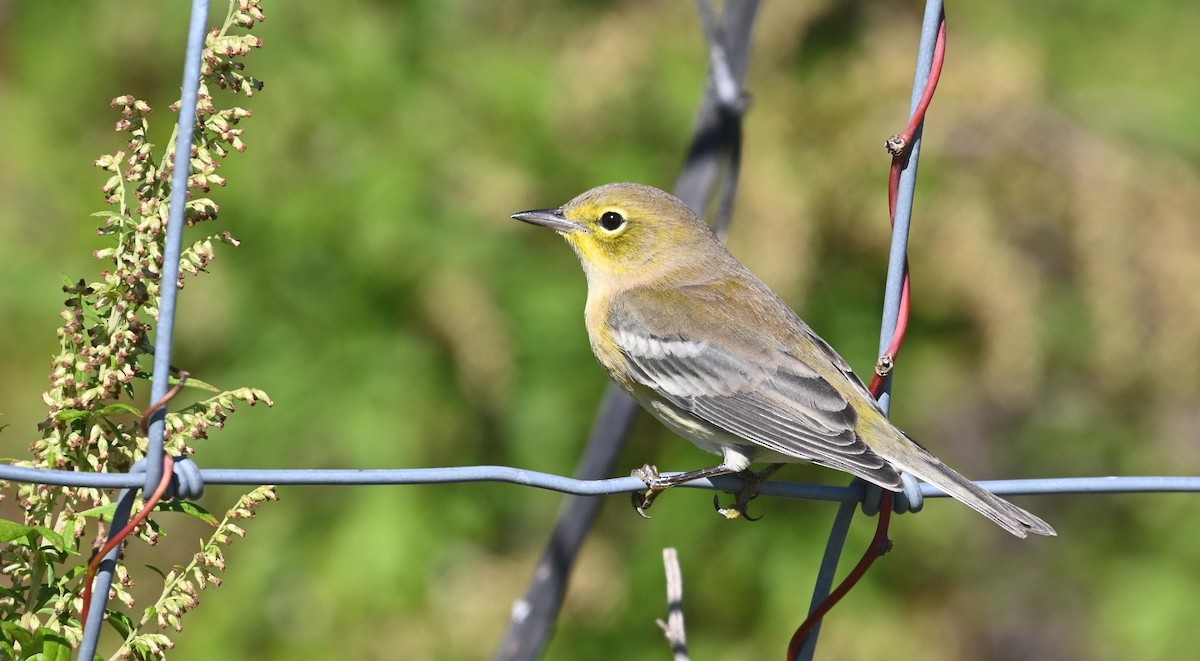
<point x="399" y="319"/>
<point x="103" y="346"/>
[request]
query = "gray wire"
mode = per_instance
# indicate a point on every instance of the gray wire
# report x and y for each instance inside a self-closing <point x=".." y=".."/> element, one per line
<point x="163" y="338"/>
<point x="898" y="256"/>
<point x="197" y="27"/>
<point x="827" y="572"/>
<point x="552" y="482"/>
<point x="189" y="482"/>
<point x="104" y="578"/>
<point x="897" y="264"/>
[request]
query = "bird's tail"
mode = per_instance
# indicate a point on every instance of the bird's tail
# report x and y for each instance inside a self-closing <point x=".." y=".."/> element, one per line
<point x="1006" y="515"/>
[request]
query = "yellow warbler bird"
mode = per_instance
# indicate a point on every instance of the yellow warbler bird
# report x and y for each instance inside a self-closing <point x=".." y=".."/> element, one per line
<point x="717" y="357"/>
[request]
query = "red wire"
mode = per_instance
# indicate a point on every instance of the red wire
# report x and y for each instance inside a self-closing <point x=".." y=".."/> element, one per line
<point x="880" y="543"/>
<point x="147" y="506"/>
<point x="935" y="72"/>
<point x="893" y="349"/>
<point x="898" y="162"/>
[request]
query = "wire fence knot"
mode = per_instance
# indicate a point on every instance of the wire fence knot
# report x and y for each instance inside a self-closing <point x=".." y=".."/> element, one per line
<point x="186" y="481"/>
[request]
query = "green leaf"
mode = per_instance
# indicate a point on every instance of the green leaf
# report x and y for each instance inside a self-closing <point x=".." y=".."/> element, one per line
<point x="121" y="220"/>
<point x="10" y="530"/>
<point x="121" y="622"/>
<point x="17" y="634"/>
<point x="112" y="427"/>
<point x="158" y="571"/>
<point x="193" y="382"/>
<point x="118" y="407"/>
<point x="59" y="542"/>
<point x="188" y="507"/>
<point x="103" y="512"/>
<point x="67" y="415"/>
<point x="91" y="315"/>
<point x="69" y="529"/>
<point x="52" y="645"/>
<point x="71" y="574"/>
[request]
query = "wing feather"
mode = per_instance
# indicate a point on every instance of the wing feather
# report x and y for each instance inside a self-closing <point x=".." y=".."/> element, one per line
<point x="759" y="391"/>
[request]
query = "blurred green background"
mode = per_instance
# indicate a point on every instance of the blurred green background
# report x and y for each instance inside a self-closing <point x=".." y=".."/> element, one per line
<point x="400" y="319"/>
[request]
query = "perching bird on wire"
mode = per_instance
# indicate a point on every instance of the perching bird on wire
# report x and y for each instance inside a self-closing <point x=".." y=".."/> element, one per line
<point x="717" y="357"/>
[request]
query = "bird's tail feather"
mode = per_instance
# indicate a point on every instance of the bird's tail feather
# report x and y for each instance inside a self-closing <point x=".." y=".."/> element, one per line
<point x="1008" y="516"/>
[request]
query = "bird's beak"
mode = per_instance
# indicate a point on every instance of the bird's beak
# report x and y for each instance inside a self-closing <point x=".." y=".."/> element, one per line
<point x="555" y="219"/>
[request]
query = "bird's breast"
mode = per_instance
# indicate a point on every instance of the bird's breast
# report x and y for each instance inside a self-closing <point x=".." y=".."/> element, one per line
<point x="603" y="339"/>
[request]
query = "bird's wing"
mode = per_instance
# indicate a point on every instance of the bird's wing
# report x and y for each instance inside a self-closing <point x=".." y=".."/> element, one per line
<point x="749" y="385"/>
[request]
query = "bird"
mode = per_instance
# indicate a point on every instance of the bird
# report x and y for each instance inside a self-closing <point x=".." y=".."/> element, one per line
<point x="720" y="359"/>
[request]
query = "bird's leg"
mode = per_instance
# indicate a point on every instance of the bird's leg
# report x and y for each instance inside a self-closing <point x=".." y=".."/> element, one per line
<point x="753" y="482"/>
<point x="657" y="483"/>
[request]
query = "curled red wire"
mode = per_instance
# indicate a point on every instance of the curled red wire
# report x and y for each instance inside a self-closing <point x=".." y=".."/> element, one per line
<point x="900" y="146"/>
<point x="147" y="506"/>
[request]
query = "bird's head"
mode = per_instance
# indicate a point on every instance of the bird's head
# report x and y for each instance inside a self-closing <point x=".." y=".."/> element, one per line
<point x="626" y="230"/>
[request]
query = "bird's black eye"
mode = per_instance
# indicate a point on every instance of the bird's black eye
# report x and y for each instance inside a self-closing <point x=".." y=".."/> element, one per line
<point x="612" y="221"/>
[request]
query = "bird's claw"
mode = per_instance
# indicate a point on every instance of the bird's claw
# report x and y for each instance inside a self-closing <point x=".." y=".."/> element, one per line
<point x="753" y="483"/>
<point x="642" y="500"/>
<point x="738" y="510"/>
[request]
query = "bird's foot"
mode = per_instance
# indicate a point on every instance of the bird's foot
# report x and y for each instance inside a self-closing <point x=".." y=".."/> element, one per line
<point x="737" y="510"/>
<point x="753" y="483"/>
<point x="655" y="484"/>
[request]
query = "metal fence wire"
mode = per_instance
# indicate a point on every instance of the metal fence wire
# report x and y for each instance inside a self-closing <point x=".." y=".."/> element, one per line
<point x="711" y="165"/>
